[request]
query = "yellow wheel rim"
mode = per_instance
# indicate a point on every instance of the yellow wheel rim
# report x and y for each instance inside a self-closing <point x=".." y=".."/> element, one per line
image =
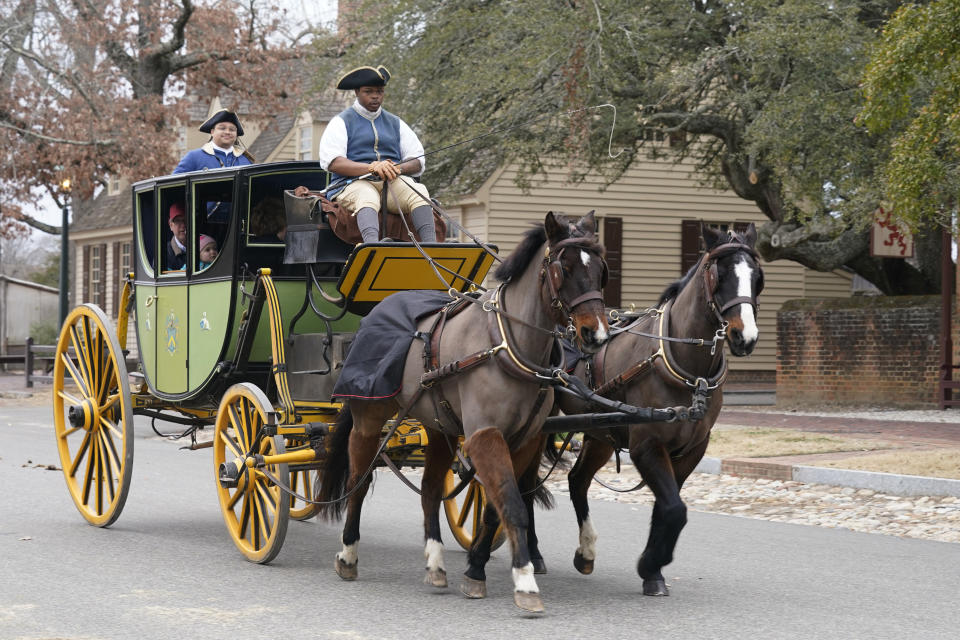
<point x="255" y="511"/>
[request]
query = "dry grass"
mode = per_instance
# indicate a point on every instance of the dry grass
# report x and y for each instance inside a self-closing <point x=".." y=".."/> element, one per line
<point x="938" y="463"/>
<point x="768" y="443"/>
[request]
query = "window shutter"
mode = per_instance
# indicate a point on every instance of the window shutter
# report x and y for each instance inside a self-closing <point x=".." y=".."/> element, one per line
<point x="86" y="273"/>
<point x="689" y="244"/>
<point x="115" y="280"/>
<point x="613" y="242"/>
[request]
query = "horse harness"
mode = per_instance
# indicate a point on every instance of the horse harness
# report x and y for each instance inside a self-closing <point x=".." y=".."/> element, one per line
<point x="503" y="351"/>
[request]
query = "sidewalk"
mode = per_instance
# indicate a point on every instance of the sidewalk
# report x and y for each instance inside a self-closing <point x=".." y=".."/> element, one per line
<point x="908" y="430"/>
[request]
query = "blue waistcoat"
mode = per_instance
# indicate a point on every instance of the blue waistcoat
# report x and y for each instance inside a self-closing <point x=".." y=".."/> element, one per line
<point x="368" y="141"/>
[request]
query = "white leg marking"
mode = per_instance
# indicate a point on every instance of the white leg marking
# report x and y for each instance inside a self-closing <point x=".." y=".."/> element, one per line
<point x="348" y="554"/>
<point x="524" y="581"/>
<point x="585" y="258"/>
<point x="433" y="552"/>
<point x="588" y="541"/>
<point x="744" y="280"/>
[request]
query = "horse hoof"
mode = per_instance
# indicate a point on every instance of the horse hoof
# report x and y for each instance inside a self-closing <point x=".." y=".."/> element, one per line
<point x="655" y="587"/>
<point x="344" y="570"/>
<point x="473" y="589"/>
<point x="528" y="601"/>
<point x="436" y="578"/>
<point x="583" y="565"/>
<point x="539" y="566"/>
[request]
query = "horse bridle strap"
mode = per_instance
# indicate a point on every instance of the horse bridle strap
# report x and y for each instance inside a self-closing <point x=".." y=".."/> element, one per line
<point x="552" y="275"/>
<point x="673" y="369"/>
<point x="710" y="277"/>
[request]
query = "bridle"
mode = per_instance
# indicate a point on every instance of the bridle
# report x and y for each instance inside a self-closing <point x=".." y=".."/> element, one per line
<point x="710" y="279"/>
<point x="551" y="274"/>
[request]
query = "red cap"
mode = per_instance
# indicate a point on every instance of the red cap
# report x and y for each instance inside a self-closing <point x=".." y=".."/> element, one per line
<point x="176" y="209"/>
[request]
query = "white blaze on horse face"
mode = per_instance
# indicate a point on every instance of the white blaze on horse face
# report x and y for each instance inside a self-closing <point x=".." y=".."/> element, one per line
<point x="433" y="552"/>
<point x="588" y="541"/>
<point x="601" y="334"/>
<point x="744" y="275"/>
<point x="524" y="581"/>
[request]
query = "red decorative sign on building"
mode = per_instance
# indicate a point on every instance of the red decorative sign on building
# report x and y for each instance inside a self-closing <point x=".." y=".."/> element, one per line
<point x="888" y="239"/>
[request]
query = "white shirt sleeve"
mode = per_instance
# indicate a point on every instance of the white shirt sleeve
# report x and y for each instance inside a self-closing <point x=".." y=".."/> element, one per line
<point x="333" y="142"/>
<point x="410" y="146"/>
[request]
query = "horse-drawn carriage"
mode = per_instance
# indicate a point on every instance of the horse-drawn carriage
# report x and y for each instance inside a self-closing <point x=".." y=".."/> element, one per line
<point x="249" y="346"/>
<point x="208" y="358"/>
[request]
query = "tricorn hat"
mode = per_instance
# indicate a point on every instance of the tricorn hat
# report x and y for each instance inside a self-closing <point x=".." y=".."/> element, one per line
<point x="222" y="116"/>
<point x="364" y="77"/>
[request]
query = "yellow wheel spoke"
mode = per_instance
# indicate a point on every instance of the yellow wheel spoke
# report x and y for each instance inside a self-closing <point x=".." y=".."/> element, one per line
<point x="76" y="375"/>
<point x="233" y="499"/>
<point x="111" y="427"/>
<point x="69" y="398"/>
<point x="79" y="457"/>
<point x="467" y="501"/>
<point x="269" y="502"/>
<point x="83" y="358"/>
<point x="68" y="432"/>
<point x="244" y="516"/>
<point x="231" y="444"/>
<point x="110" y="448"/>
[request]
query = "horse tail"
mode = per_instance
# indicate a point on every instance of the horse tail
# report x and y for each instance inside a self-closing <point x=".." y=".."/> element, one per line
<point x="543" y="497"/>
<point x="336" y="468"/>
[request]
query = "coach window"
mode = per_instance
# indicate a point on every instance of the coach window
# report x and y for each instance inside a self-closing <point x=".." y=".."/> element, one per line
<point x="172" y="250"/>
<point x="146" y="234"/>
<point x="213" y="213"/>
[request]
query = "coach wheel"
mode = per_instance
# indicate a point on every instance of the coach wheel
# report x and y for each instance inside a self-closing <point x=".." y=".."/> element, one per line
<point x="92" y="414"/>
<point x="307" y="484"/>
<point x="465" y="511"/>
<point x="254" y="508"/>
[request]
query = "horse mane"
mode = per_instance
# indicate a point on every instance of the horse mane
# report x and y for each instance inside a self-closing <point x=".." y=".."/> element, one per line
<point x="674" y="289"/>
<point x="517" y="261"/>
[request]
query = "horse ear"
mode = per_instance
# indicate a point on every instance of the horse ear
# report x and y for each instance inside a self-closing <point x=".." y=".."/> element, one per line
<point x="750" y="235"/>
<point x="711" y="237"/>
<point x="556" y="226"/>
<point x="587" y="224"/>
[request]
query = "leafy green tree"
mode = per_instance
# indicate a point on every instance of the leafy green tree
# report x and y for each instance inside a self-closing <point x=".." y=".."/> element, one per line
<point x="761" y="94"/>
<point x="912" y="89"/>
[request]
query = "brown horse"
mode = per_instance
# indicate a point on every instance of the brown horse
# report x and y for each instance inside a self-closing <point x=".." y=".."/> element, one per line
<point x="659" y="360"/>
<point x="494" y="390"/>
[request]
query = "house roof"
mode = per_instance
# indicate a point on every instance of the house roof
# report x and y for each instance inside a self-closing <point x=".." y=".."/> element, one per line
<point x="29" y="284"/>
<point x="103" y="212"/>
<point x="271" y="136"/>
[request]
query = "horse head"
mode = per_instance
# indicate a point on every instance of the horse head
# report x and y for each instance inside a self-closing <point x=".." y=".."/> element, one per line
<point x="573" y="274"/>
<point x="732" y="280"/>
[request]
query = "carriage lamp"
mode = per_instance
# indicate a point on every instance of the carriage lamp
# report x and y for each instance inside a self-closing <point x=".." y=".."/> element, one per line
<point x="64" y="250"/>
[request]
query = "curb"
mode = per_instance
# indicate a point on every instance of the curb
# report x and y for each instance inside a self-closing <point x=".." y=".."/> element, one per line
<point x="890" y="483"/>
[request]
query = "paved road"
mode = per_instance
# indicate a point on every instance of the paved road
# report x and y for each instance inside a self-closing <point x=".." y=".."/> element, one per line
<point x="167" y="569"/>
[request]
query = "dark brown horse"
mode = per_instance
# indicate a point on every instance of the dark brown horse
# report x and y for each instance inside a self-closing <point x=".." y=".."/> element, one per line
<point x="489" y="381"/>
<point x="715" y="301"/>
<point x="659" y="360"/>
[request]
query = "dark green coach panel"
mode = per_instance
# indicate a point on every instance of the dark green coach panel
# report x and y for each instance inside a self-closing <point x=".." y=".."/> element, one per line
<point x="209" y="319"/>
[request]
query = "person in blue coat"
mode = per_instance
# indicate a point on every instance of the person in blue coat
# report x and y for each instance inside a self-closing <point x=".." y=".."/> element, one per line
<point x="222" y="150"/>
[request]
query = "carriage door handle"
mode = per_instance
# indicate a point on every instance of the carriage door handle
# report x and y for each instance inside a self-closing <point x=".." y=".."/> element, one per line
<point x="149" y="301"/>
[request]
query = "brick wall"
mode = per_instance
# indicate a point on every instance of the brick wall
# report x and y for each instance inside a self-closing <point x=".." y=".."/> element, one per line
<point x="882" y="350"/>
